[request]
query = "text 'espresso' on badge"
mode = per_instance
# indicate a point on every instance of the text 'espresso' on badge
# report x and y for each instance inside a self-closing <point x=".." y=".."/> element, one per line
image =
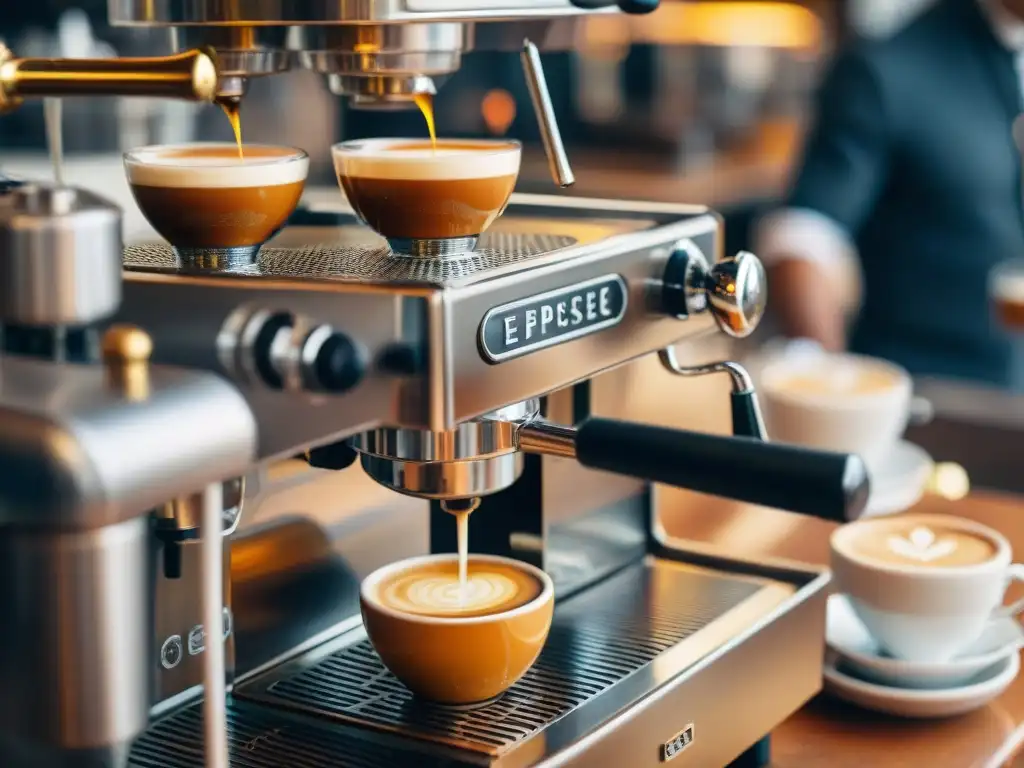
<point x="554" y="317"/>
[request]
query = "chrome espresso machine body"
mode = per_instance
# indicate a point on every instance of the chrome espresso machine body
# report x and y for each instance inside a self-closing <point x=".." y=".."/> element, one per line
<point x="486" y="380"/>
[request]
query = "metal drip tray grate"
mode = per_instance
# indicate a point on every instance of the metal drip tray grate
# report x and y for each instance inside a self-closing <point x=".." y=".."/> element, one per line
<point x="258" y="740"/>
<point x="352" y="253"/>
<point x="598" y="639"/>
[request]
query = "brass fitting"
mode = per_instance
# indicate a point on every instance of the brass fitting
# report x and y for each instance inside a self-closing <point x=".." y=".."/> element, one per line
<point x="191" y="75"/>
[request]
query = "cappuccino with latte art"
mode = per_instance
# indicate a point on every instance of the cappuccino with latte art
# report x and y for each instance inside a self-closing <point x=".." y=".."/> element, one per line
<point x="458" y="643"/>
<point x="436" y="590"/>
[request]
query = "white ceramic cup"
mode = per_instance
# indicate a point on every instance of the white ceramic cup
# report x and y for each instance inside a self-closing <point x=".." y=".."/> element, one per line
<point x="837" y="417"/>
<point x="924" y="613"/>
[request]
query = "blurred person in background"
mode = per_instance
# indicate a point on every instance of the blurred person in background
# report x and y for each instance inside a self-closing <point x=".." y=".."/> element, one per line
<point x="908" y="193"/>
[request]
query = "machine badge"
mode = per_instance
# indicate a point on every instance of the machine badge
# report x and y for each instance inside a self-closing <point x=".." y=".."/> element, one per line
<point x="674" y="746"/>
<point x="536" y="322"/>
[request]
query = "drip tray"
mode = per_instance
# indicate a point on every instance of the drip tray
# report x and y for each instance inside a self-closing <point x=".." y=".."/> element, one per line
<point x="609" y="646"/>
<point x="260" y="739"/>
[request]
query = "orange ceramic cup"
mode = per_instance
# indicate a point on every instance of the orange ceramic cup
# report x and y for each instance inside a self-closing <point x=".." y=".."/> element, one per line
<point x="457" y="660"/>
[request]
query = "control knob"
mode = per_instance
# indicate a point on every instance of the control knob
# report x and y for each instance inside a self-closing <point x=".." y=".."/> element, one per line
<point x="320" y="360"/>
<point x="735" y="290"/>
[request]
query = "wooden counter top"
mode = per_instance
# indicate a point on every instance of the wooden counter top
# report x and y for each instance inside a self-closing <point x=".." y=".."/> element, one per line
<point x="831" y="733"/>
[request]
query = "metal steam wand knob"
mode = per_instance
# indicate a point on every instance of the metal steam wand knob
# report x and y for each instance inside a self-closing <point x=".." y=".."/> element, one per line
<point x="734" y="290"/>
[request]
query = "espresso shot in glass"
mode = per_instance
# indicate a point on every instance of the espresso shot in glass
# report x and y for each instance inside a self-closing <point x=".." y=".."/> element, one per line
<point x="428" y="202"/>
<point x="1006" y="289"/>
<point x="214" y="208"/>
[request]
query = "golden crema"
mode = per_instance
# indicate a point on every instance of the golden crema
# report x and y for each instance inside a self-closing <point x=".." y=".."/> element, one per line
<point x="435" y="590"/>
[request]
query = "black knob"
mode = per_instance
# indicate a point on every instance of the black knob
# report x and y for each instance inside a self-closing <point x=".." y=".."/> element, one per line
<point x="338" y="365"/>
<point x="263" y="346"/>
<point x="638" y="7"/>
<point x="633" y="7"/>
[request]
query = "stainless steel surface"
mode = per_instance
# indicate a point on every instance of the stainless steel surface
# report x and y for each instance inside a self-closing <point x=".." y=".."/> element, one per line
<point x="739" y="378"/>
<point x="639" y="642"/>
<point x="431" y="309"/>
<point x="100" y="458"/>
<point x="386" y="65"/>
<point x="444" y="479"/>
<point x="175" y="656"/>
<point x="381" y="92"/>
<point x="48" y="231"/>
<point x="242" y="52"/>
<point x="77" y="605"/>
<point x="549" y="439"/>
<point x="166" y="13"/>
<point x="558" y="160"/>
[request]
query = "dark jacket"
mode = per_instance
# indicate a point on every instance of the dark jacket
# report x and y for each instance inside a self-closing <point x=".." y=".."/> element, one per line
<point x="913" y="154"/>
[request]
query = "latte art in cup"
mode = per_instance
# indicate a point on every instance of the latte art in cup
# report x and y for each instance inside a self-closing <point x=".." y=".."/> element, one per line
<point x="916" y="545"/>
<point x="435" y="590"/>
<point x="924" y="586"/>
<point x="451" y="644"/>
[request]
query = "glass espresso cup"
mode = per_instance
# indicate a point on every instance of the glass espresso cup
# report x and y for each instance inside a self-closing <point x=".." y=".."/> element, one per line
<point x="426" y="201"/>
<point x="1006" y="291"/>
<point x="216" y="209"/>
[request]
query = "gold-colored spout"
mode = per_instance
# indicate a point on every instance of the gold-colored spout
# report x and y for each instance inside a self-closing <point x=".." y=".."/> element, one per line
<point x="191" y="75"/>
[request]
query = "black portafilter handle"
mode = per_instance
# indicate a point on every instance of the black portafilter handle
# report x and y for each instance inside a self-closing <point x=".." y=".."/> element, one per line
<point x="633" y="7"/>
<point x="832" y="486"/>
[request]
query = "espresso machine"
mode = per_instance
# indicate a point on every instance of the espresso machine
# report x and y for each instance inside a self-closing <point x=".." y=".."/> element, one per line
<point x="493" y="380"/>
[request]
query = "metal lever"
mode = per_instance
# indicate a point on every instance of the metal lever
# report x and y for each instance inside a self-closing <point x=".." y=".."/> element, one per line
<point x="823" y="484"/>
<point x="746" y="413"/>
<point x="191" y="75"/>
<point x="558" y="161"/>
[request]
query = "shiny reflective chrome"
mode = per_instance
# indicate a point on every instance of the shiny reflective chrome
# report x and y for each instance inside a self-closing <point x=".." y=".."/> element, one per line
<point x="167" y="13"/>
<point x="76" y="654"/>
<point x="59" y="256"/>
<point x="558" y="160"/>
<point x="447" y="479"/>
<point x="394" y="305"/>
<point x="242" y="52"/>
<point x="738" y="375"/>
<point x="381" y="92"/>
<point x="95" y="450"/>
<point x="734" y="290"/>
<point x="738" y="293"/>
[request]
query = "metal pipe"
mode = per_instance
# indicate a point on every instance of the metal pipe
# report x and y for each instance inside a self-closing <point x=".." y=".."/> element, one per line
<point x="191" y="75"/>
<point x="558" y="161"/>
<point x="549" y="439"/>
<point x="214" y="667"/>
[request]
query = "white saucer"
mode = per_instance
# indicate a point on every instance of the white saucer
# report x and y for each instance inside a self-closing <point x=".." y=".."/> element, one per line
<point x="940" y="702"/>
<point x="898" y="480"/>
<point x="860" y="655"/>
